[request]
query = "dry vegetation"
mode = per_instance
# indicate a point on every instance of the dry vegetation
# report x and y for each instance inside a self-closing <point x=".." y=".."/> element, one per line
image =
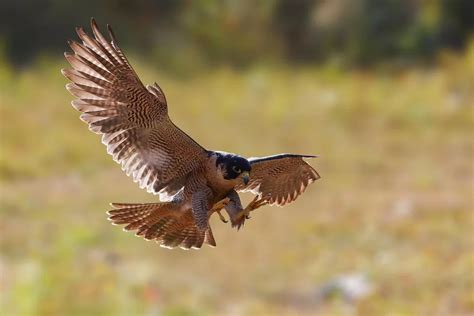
<point x="393" y="210"/>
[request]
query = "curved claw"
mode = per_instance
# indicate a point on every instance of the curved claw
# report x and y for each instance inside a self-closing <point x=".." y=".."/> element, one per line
<point x="220" y="205"/>
<point x="256" y="203"/>
<point x="221" y="217"/>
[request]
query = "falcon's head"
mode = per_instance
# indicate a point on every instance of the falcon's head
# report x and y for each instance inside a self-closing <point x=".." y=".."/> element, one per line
<point x="233" y="166"/>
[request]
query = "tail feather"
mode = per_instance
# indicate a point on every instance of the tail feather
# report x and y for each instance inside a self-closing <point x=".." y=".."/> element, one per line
<point x="199" y="241"/>
<point x="135" y="225"/>
<point x="130" y="213"/>
<point x="174" y="239"/>
<point x="157" y="230"/>
<point x="210" y="238"/>
<point x="161" y="222"/>
<point x="189" y="241"/>
<point x="179" y="234"/>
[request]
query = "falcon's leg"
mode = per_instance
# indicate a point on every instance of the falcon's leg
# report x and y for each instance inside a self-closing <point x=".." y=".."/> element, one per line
<point x="218" y="207"/>
<point x="200" y="204"/>
<point x="233" y="208"/>
<point x="252" y="206"/>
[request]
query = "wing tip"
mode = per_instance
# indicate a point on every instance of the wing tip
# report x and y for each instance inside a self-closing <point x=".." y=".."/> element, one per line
<point x="94" y="26"/>
<point x="111" y="34"/>
<point x="281" y="156"/>
<point x="80" y="30"/>
<point x="70" y="85"/>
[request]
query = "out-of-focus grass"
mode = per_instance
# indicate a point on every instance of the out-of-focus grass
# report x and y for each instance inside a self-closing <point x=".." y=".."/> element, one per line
<point x="394" y="203"/>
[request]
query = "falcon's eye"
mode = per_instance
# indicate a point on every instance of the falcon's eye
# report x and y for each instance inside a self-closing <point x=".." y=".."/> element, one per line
<point x="236" y="169"/>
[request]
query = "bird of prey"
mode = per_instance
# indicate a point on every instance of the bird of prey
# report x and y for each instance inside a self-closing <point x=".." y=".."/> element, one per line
<point x="192" y="182"/>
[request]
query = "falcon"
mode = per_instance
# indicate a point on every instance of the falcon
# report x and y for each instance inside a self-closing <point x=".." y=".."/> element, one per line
<point x="192" y="182"/>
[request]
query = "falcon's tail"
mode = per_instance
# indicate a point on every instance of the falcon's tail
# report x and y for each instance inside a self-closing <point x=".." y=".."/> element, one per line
<point x="161" y="222"/>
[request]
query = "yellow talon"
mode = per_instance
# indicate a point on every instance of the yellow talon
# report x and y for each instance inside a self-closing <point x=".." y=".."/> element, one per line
<point x="252" y="206"/>
<point x="222" y="218"/>
<point x="220" y="205"/>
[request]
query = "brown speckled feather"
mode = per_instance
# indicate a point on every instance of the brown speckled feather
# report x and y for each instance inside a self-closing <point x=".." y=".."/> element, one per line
<point x="132" y="119"/>
<point x="163" y="223"/>
<point x="279" y="179"/>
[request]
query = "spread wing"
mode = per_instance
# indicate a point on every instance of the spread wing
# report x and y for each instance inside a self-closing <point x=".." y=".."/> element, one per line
<point x="132" y="119"/>
<point x="279" y="179"/>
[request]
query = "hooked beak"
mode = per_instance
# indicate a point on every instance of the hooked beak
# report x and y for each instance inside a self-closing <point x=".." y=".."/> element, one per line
<point x="245" y="177"/>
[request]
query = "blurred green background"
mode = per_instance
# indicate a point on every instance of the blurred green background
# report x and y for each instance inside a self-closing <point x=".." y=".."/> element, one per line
<point x="382" y="90"/>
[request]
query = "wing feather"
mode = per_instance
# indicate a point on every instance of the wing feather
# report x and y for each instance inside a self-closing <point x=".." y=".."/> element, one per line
<point x="280" y="179"/>
<point x="132" y="119"/>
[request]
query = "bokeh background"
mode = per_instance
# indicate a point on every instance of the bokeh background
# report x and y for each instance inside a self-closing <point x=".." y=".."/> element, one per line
<point x="382" y="90"/>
